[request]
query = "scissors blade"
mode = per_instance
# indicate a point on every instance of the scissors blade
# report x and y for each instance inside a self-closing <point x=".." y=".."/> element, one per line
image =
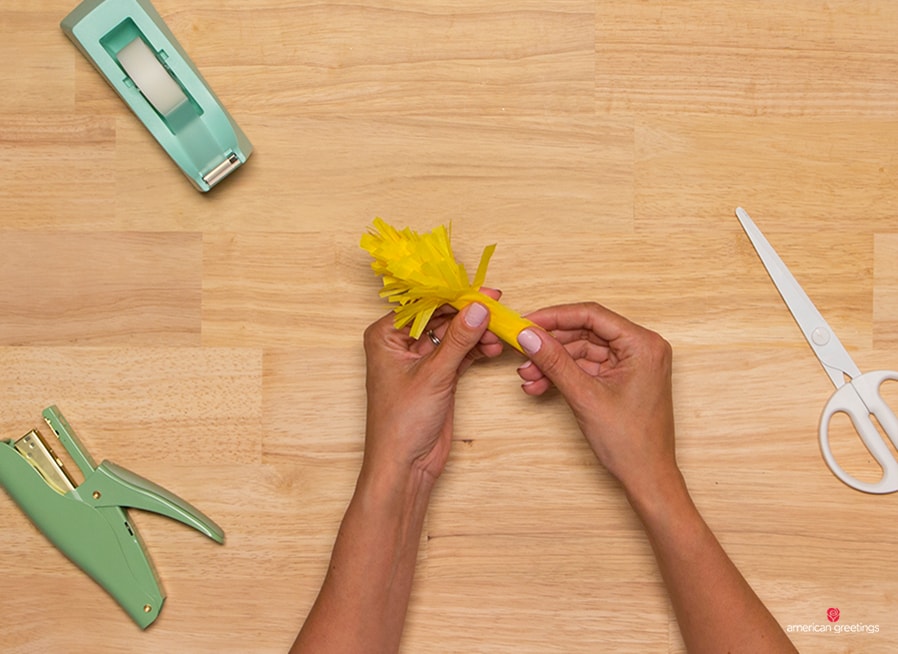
<point x="823" y="341"/>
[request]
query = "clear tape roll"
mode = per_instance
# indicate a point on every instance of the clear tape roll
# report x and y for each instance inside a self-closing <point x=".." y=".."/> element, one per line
<point x="151" y="77"/>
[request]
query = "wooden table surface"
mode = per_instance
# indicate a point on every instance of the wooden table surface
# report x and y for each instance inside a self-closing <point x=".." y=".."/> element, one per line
<point x="212" y="343"/>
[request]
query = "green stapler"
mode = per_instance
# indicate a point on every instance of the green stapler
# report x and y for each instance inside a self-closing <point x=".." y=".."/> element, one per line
<point x="87" y="522"/>
<point x="131" y="46"/>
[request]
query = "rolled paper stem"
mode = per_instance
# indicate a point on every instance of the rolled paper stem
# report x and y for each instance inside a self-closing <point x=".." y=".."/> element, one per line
<point x="504" y="323"/>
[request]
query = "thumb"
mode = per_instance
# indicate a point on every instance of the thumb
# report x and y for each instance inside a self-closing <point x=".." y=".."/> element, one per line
<point x="552" y="359"/>
<point x="464" y="333"/>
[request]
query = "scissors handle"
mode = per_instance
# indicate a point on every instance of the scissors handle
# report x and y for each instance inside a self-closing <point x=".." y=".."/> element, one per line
<point x="859" y="399"/>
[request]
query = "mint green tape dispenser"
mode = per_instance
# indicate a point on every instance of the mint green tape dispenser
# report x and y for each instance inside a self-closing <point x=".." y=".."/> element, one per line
<point x="131" y="46"/>
<point x="87" y="522"/>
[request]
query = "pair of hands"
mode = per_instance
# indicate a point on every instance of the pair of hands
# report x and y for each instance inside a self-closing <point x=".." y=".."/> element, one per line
<point x="614" y="374"/>
<point x="616" y="377"/>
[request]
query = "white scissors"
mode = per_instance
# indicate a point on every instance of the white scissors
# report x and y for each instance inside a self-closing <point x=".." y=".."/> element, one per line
<point x="857" y="395"/>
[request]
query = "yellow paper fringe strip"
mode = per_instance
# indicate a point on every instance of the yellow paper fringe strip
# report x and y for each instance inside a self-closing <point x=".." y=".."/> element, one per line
<point x="420" y="274"/>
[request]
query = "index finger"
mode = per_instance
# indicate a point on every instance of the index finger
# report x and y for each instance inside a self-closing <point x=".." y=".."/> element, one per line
<point x="575" y="318"/>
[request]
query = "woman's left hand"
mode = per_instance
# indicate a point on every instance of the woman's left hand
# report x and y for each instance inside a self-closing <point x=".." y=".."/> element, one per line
<point x="411" y="387"/>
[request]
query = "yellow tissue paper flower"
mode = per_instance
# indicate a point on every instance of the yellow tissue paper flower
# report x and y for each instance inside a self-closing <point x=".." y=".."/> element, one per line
<point x="420" y="274"/>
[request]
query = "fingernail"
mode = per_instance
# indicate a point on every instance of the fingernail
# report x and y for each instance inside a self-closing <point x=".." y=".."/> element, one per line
<point x="475" y="315"/>
<point x="525" y="365"/>
<point x="529" y="341"/>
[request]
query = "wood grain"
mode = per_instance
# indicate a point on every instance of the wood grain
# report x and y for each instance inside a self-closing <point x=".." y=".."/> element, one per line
<point x="213" y="342"/>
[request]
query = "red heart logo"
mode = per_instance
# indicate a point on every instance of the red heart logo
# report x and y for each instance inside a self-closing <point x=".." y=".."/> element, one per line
<point x="832" y="615"/>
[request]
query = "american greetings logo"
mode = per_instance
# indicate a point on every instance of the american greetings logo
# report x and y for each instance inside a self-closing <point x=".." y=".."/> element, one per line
<point x="832" y="617"/>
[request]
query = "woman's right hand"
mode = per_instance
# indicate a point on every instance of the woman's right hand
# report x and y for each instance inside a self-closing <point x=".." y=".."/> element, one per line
<point x="616" y="377"/>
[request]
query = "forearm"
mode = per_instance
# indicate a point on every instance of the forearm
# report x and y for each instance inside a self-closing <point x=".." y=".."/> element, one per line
<point x="363" y="601"/>
<point x="716" y="609"/>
